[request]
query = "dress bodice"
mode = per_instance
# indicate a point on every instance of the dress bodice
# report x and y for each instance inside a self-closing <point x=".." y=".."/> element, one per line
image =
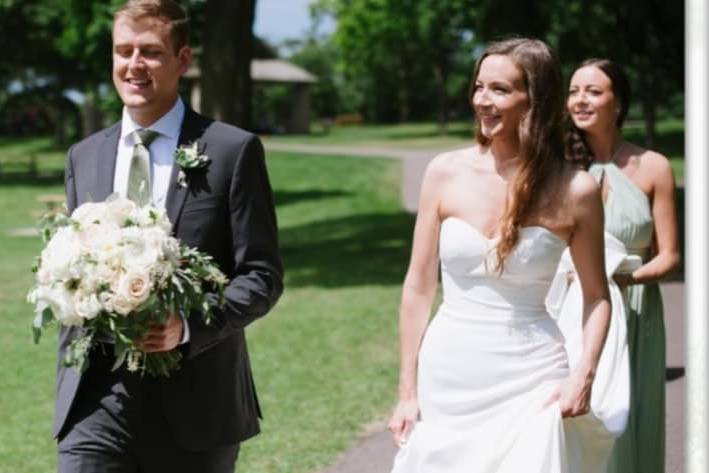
<point x="628" y="215"/>
<point x="472" y="286"/>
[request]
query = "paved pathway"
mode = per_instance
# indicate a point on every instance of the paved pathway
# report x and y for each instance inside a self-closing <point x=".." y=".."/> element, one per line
<point x="374" y="451"/>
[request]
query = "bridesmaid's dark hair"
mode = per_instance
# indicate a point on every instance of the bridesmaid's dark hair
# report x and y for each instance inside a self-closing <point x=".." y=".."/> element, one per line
<point x="576" y="147"/>
<point x="540" y="133"/>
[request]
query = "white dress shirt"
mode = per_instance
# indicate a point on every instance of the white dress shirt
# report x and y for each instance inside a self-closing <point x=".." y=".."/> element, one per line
<point x="162" y="151"/>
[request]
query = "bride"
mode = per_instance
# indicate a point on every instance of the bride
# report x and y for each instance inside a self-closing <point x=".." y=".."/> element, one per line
<point x="486" y="387"/>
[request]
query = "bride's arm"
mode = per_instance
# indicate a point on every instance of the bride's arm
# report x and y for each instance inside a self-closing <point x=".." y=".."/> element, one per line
<point x="417" y="296"/>
<point x="587" y="251"/>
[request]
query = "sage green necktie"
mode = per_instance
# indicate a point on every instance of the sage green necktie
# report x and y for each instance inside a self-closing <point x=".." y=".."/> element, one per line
<point x="139" y="190"/>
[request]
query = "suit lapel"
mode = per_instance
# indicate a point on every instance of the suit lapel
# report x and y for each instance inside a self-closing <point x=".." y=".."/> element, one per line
<point x="191" y="131"/>
<point x="105" y="165"/>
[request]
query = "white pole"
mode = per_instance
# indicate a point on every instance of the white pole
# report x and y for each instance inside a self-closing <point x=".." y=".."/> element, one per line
<point x="697" y="261"/>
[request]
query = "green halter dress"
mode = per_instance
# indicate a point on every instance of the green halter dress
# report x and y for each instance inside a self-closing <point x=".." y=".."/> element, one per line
<point x="628" y="217"/>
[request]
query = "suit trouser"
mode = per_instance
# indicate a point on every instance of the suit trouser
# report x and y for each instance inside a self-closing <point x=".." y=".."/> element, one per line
<point x="116" y="425"/>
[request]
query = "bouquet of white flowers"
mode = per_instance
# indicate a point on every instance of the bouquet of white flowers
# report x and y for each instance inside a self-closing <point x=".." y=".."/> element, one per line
<point x="113" y="269"/>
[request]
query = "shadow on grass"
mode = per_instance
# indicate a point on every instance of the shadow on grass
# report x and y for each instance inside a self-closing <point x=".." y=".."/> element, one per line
<point x="45" y="178"/>
<point x="290" y="197"/>
<point x="370" y="249"/>
<point x="36" y="144"/>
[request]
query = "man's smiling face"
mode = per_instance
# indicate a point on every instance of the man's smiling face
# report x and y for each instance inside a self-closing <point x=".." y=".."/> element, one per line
<point x="146" y="68"/>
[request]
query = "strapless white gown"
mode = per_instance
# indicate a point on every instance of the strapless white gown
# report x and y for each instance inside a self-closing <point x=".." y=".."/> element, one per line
<point x="489" y="362"/>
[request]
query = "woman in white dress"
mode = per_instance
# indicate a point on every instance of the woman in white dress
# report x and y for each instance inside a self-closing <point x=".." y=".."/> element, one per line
<point x="486" y="387"/>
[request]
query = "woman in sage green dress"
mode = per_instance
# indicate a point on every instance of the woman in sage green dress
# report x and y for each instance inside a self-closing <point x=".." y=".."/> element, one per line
<point x="639" y="201"/>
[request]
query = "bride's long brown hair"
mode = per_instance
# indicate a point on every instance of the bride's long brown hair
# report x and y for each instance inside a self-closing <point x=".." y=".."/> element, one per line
<point x="541" y="139"/>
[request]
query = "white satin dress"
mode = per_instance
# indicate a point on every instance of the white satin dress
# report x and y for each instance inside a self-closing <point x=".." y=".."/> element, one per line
<point x="489" y="362"/>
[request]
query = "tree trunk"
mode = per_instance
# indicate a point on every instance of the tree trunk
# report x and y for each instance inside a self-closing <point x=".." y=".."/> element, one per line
<point x="439" y="72"/>
<point x="403" y="97"/>
<point x="226" y="61"/>
<point x="649" y="115"/>
<point x="91" y="118"/>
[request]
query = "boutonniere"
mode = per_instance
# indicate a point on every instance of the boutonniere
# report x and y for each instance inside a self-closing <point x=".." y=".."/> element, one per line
<point x="188" y="157"/>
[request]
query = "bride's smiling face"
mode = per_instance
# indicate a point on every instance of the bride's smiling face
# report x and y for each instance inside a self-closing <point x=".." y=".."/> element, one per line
<point x="500" y="98"/>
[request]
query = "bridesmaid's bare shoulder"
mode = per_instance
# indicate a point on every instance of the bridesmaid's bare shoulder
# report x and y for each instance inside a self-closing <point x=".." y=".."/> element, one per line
<point x="654" y="166"/>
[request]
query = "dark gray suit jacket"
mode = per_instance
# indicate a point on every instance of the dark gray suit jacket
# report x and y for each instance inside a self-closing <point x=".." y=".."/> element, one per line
<point x="227" y="210"/>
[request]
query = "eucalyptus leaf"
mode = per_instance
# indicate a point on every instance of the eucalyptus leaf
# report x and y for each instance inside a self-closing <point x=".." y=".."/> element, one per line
<point x="121" y="355"/>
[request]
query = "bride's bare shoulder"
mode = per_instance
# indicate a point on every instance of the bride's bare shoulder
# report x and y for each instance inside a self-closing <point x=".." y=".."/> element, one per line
<point x="449" y="163"/>
<point x="582" y="189"/>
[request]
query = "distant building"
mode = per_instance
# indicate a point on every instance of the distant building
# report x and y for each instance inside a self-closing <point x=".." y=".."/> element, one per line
<point x="272" y="71"/>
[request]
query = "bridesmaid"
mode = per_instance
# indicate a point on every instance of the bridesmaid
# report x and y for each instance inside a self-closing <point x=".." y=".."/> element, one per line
<point x="639" y="201"/>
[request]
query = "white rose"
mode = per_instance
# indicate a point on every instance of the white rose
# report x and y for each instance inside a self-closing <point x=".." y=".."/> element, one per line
<point x="105" y="272"/>
<point x="99" y="238"/>
<point x="141" y="247"/>
<point x="90" y="212"/>
<point x="87" y="306"/>
<point x="121" y="209"/>
<point x="60" y="253"/>
<point x="121" y="305"/>
<point x="59" y="300"/>
<point x="133" y="289"/>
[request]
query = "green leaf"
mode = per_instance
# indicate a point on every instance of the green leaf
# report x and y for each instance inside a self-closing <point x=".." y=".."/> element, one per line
<point x="121" y="354"/>
<point x="36" y="334"/>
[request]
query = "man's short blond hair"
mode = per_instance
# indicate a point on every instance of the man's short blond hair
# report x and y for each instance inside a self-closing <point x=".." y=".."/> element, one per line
<point x="168" y="10"/>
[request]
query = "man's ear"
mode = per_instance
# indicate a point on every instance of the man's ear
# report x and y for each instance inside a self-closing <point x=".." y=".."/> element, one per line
<point x="185" y="58"/>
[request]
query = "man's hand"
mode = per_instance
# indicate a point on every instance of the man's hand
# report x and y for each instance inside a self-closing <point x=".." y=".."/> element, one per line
<point x="163" y="337"/>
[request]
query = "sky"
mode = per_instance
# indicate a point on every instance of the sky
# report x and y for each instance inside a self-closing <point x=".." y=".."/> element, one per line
<point x="277" y="20"/>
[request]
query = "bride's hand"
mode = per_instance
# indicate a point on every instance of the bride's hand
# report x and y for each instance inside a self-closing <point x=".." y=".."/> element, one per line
<point x="405" y="415"/>
<point x="573" y="395"/>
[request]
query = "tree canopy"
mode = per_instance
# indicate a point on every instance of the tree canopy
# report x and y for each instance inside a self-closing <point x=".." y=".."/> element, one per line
<point x="389" y="60"/>
<point x="409" y="59"/>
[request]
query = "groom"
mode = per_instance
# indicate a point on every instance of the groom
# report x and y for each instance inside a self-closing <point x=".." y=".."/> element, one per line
<point x="194" y="420"/>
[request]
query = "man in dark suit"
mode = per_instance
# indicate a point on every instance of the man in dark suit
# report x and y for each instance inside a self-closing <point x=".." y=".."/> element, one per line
<point x="194" y="420"/>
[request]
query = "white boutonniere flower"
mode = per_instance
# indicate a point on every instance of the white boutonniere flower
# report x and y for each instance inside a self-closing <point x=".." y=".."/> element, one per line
<point x="188" y="157"/>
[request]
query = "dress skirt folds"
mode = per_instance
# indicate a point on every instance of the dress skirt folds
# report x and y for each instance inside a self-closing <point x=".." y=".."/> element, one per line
<point x="489" y="363"/>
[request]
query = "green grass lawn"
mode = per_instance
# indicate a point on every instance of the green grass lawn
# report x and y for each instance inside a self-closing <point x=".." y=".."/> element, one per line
<point x="324" y="359"/>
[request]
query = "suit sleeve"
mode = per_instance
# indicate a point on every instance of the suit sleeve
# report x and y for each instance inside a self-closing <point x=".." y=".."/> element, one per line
<point x="258" y="280"/>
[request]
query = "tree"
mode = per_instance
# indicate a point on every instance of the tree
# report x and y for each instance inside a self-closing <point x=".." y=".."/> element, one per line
<point x="319" y="58"/>
<point x="225" y="64"/>
<point x="67" y="44"/>
<point x="646" y="37"/>
<point x="401" y="53"/>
